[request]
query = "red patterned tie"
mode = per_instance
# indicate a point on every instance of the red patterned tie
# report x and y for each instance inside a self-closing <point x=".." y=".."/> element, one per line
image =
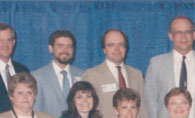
<point x="121" y="78"/>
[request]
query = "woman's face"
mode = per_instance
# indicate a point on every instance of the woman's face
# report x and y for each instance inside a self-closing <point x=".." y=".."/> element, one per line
<point x="127" y="109"/>
<point x="84" y="102"/>
<point x="23" y="97"/>
<point x="178" y="107"/>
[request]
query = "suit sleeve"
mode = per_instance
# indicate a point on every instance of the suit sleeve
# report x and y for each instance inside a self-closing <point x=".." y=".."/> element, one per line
<point x="140" y="88"/>
<point x="151" y="91"/>
<point x="38" y="101"/>
<point x="88" y="76"/>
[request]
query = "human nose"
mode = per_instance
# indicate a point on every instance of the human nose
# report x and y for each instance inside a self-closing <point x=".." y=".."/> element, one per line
<point x="25" y="95"/>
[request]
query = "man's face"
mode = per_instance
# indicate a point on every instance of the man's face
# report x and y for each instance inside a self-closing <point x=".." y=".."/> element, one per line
<point x="62" y="50"/>
<point x="6" y="44"/>
<point x="115" y="47"/>
<point x="182" y="36"/>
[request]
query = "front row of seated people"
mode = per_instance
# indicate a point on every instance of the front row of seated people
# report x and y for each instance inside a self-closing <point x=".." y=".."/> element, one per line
<point x="83" y="101"/>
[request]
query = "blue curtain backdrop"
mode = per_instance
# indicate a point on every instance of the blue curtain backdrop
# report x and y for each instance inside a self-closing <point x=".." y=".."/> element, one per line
<point x="145" y="24"/>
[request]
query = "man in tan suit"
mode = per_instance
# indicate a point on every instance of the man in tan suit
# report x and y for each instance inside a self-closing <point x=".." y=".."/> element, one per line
<point x="105" y="77"/>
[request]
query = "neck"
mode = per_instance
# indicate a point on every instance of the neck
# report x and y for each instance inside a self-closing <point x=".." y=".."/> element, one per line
<point x="62" y="66"/>
<point x="23" y="112"/>
<point x="6" y="60"/>
<point x="84" y="115"/>
<point x="183" y="52"/>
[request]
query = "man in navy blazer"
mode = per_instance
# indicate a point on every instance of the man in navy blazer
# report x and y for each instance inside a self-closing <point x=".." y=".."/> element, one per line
<point x="164" y="70"/>
<point x="7" y="42"/>
<point x="51" y="97"/>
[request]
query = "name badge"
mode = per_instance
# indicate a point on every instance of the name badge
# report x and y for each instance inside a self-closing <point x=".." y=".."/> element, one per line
<point x="109" y="87"/>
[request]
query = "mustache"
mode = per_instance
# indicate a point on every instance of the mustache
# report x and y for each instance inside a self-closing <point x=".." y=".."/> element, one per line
<point x="64" y="53"/>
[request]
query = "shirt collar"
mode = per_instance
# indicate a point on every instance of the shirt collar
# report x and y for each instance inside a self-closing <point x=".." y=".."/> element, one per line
<point x="111" y="64"/>
<point x="178" y="56"/>
<point x="3" y="64"/>
<point x="58" y="69"/>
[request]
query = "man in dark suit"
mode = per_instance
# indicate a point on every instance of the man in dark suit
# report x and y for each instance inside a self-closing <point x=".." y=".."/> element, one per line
<point x="7" y="66"/>
<point x="106" y="76"/>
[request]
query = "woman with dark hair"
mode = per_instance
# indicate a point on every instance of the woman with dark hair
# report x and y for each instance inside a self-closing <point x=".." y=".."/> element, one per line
<point x="126" y="103"/>
<point x="82" y="102"/>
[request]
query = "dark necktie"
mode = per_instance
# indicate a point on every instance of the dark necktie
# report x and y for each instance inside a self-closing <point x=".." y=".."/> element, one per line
<point x="121" y="78"/>
<point x="66" y="86"/>
<point x="183" y="75"/>
<point x="7" y="73"/>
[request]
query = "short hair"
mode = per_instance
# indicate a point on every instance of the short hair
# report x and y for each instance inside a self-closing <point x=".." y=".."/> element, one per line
<point x="181" y="17"/>
<point x="22" y="78"/>
<point x="84" y="87"/>
<point x="4" y="26"/>
<point x="126" y="94"/>
<point x="116" y="30"/>
<point x="177" y="91"/>
<point x="62" y="33"/>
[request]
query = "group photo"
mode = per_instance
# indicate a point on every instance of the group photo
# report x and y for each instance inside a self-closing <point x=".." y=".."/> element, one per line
<point x="97" y="59"/>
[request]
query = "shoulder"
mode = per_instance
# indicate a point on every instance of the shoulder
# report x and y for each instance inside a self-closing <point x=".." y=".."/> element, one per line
<point x="132" y="69"/>
<point x="19" y="67"/>
<point x="96" y="69"/>
<point x="42" y="115"/>
<point x="7" y="114"/>
<point x="41" y="70"/>
<point x="161" y="58"/>
<point x="76" y="69"/>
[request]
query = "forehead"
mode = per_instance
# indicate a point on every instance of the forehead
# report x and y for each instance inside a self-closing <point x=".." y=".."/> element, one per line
<point x="83" y="92"/>
<point x="22" y="86"/>
<point x="6" y="32"/>
<point x="113" y="36"/>
<point x="178" y="97"/>
<point x="181" y="24"/>
<point x="126" y="101"/>
<point x="66" y="40"/>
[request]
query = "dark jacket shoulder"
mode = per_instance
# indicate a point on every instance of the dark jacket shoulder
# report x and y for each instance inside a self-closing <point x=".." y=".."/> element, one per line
<point x="19" y="67"/>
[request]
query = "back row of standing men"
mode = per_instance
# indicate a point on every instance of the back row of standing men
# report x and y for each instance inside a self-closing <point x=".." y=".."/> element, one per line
<point x="55" y="79"/>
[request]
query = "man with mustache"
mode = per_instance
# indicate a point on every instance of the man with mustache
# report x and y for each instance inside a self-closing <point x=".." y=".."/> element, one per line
<point x="55" y="79"/>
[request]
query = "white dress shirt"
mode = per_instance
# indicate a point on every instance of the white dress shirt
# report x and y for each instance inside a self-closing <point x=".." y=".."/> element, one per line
<point x="114" y="70"/>
<point x="190" y="66"/>
<point x="3" y="73"/>
<point x="58" y="70"/>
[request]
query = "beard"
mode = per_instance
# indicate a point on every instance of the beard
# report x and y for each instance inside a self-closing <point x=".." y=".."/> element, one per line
<point x="66" y="60"/>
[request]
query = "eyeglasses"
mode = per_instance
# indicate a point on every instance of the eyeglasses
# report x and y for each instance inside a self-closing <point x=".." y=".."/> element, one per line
<point x="181" y="33"/>
<point x="182" y="103"/>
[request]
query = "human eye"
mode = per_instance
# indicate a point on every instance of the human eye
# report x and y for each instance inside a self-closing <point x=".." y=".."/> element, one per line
<point x="89" y="96"/>
<point x="110" y="45"/>
<point x="29" y="92"/>
<point x="69" y="46"/>
<point x="122" y="44"/>
<point x="19" y="93"/>
<point x="59" y="45"/>
<point x="134" y="107"/>
<point x="188" y="32"/>
<point x="184" y="103"/>
<point x="177" y="33"/>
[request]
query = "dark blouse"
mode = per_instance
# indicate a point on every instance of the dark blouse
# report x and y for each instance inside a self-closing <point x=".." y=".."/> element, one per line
<point x="65" y="116"/>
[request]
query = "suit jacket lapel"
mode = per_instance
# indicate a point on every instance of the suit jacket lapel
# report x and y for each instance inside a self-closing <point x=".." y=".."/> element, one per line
<point x="107" y="73"/>
<point x="170" y="70"/>
<point x="53" y="80"/>
<point x="2" y="85"/>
